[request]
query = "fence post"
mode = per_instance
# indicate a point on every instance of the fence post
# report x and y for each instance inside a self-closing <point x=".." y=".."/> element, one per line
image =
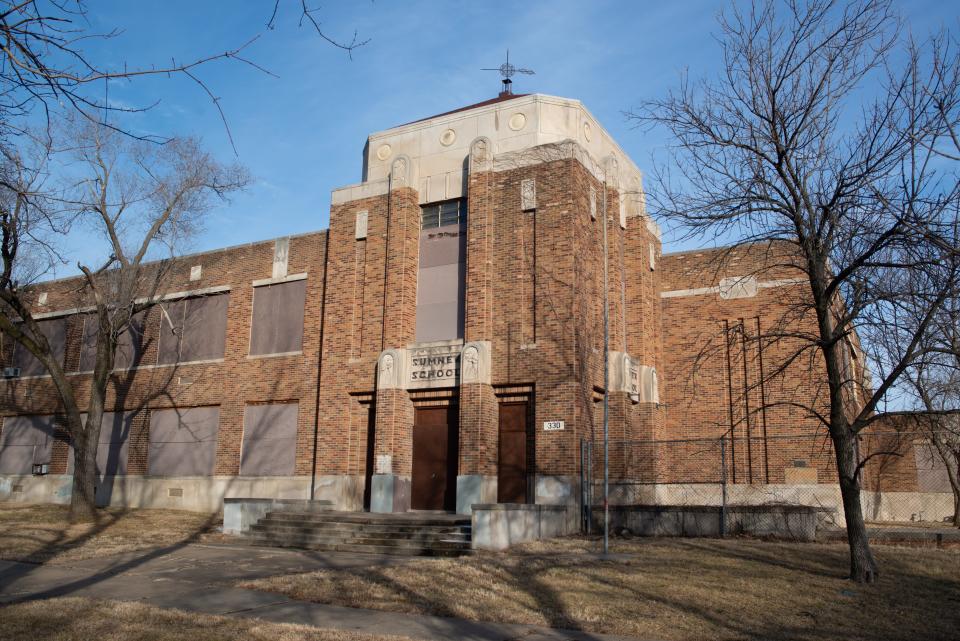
<point x="583" y="485"/>
<point x="723" y="487"/>
<point x="590" y="486"/>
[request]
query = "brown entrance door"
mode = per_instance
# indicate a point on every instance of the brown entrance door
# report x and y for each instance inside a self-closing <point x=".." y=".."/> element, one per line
<point x="512" y="468"/>
<point x="435" y="440"/>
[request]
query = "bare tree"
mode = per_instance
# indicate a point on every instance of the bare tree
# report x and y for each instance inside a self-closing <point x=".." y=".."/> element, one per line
<point x="43" y="63"/>
<point x="812" y="139"/>
<point x="935" y="382"/>
<point x="143" y="200"/>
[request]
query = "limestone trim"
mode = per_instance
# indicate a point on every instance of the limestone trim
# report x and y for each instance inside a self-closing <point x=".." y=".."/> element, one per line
<point x="283" y="279"/>
<point x="700" y="291"/>
<point x="349" y="193"/>
<point x="204" y="291"/>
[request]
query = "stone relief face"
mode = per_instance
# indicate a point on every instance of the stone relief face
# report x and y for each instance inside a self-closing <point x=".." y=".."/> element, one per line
<point x="480" y="151"/>
<point x="471" y="363"/>
<point x="399" y="171"/>
<point x="386" y="366"/>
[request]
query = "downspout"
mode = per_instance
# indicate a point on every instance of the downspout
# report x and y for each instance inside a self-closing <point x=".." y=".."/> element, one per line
<point x="316" y="406"/>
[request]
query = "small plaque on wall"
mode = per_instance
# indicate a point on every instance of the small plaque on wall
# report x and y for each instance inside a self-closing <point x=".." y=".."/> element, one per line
<point x="553" y="426"/>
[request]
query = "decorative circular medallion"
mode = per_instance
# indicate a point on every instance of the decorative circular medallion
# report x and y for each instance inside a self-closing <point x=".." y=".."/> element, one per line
<point x="383" y="152"/>
<point x="447" y="137"/>
<point x="587" y="132"/>
<point x="517" y="122"/>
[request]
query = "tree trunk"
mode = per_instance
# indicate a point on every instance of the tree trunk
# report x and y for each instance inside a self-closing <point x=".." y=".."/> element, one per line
<point x="956" y="508"/>
<point x="863" y="567"/>
<point x="83" y="501"/>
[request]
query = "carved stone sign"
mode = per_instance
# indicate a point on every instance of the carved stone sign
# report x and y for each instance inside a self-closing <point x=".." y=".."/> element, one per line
<point x="528" y="194"/>
<point x="434" y="366"/>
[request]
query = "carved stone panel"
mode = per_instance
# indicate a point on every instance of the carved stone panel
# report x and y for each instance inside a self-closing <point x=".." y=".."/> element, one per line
<point x="593" y="203"/>
<point x="475" y="363"/>
<point x="399" y="172"/>
<point x="281" y="257"/>
<point x="481" y="154"/>
<point x="649" y="386"/>
<point x="434" y="365"/>
<point x="392" y="369"/>
<point x="360" y="231"/>
<point x="528" y="194"/>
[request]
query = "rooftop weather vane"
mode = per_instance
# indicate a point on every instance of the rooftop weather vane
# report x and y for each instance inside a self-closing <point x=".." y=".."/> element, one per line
<point x="507" y="70"/>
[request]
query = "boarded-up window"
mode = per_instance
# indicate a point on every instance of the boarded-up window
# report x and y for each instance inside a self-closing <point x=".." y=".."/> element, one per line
<point x="278" y="318"/>
<point x="55" y="330"/>
<point x="113" y="444"/>
<point x="183" y="441"/>
<point x="269" y="440"/>
<point x="194" y="329"/>
<point x="130" y="343"/>
<point x="441" y="278"/>
<point x="25" y="441"/>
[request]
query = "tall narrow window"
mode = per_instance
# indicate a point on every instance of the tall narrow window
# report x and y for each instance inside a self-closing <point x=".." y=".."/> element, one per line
<point x="277" y="326"/>
<point x="442" y="274"/>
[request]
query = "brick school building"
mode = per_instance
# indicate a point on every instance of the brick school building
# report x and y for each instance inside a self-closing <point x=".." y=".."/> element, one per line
<point x="440" y="345"/>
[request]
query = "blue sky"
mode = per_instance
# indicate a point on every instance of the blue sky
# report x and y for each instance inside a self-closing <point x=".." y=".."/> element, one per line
<point x="302" y="133"/>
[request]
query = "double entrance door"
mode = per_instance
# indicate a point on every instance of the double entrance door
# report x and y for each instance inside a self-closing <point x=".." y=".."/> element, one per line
<point x="436" y="432"/>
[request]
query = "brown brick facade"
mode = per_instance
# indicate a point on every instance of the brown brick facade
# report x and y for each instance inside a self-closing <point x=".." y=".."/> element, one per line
<point x="533" y="292"/>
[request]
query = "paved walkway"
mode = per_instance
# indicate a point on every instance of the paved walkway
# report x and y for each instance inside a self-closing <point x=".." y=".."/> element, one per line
<point x="200" y="578"/>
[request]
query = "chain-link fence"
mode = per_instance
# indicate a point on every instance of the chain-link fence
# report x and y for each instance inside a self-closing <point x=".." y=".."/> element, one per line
<point x="903" y="478"/>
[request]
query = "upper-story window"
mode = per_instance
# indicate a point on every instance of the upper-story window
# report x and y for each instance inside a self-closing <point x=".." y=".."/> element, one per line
<point x="448" y="212"/>
<point x="55" y="331"/>
<point x="193" y="329"/>
<point x="278" y="318"/>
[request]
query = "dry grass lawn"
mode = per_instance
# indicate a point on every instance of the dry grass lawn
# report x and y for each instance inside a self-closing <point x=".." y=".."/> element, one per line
<point x="43" y="533"/>
<point x="76" y="619"/>
<point x="670" y="589"/>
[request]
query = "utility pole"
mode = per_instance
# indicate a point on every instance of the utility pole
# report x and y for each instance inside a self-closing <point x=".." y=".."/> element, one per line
<point x="606" y="387"/>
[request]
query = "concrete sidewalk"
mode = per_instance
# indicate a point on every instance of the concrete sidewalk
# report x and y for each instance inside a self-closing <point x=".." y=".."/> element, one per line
<point x="200" y="578"/>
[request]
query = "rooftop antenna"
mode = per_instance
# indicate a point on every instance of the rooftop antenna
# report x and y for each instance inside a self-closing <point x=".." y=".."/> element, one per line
<point x="507" y="70"/>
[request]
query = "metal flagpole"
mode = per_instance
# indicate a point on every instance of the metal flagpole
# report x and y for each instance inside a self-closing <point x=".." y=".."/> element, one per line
<point x="606" y="387"/>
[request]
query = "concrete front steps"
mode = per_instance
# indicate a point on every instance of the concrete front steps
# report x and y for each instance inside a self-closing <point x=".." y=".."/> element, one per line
<point x="407" y="534"/>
